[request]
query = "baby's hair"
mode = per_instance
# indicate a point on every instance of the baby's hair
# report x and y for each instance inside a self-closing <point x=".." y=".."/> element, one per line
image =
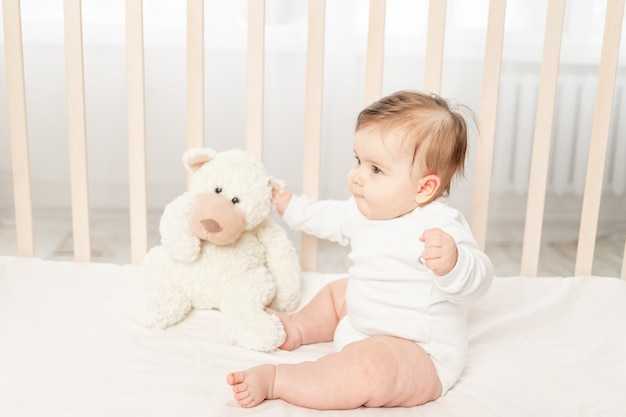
<point x="436" y="130"/>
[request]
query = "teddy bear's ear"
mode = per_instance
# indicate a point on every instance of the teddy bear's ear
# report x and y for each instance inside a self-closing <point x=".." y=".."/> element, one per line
<point x="194" y="158"/>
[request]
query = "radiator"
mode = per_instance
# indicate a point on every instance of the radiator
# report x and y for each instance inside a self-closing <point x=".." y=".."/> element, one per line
<point x="570" y="135"/>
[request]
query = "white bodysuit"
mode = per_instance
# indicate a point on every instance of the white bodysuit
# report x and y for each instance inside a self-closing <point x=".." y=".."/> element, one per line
<point x="390" y="292"/>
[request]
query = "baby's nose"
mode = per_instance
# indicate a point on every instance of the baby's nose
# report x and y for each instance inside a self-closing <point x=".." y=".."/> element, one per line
<point x="357" y="177"/>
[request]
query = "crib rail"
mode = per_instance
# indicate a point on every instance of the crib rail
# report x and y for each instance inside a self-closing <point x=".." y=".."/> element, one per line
<point x="542" y="136"/>
<point x="599" y="137"/>
<point x="136" y="130"/>
<point x="373" y="88"/>
<point x="77" y="124"/>
<point x="18" y="127"/>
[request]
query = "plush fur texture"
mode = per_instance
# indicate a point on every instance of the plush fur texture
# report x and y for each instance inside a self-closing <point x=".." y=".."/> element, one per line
<point x="220" y="250"/>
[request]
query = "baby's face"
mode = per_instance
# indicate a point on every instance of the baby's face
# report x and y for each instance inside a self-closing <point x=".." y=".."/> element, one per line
<point x="380" y="179"/>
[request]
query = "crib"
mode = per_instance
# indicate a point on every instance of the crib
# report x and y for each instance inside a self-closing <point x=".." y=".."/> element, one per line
<point x="539" y="345"/>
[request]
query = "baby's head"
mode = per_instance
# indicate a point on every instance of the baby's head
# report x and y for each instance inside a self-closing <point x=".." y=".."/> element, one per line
<point x="419" y="134"/>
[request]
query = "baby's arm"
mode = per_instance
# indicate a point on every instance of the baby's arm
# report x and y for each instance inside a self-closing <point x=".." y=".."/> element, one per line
<point x="325" y="219"/>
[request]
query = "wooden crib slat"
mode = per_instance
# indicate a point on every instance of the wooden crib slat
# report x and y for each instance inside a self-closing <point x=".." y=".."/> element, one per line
<point x="623" y="273"/>
<point x="18" y="127"/>
<point x="375" y="52"/>
<point x="313" y="121"/>
<point x="255" y="77"/>
<point x="599" y="137"/>
<point x="195" y="73"/>
<point x="542" y="137"/>
<point x="487" y="120"/>
<point x="77" y="129"/>
<point x="136" y="131"/>
<point x="434" y="46"/>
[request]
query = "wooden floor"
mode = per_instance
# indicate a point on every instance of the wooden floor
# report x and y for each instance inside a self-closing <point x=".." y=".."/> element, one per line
<point x="558" y="258"/>
<point x="110" y="243"/>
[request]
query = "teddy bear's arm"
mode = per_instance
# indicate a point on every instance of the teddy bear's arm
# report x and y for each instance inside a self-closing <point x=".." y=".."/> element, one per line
<point x="283" y="263"/>
<point x="176" y="236"/>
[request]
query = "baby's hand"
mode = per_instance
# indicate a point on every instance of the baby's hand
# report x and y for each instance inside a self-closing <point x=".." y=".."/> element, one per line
<point x="440" y="251"/>
<point x="281" y="195"/>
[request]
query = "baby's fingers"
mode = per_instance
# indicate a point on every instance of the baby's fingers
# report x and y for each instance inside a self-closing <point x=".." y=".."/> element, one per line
<point x="431" y="234"/>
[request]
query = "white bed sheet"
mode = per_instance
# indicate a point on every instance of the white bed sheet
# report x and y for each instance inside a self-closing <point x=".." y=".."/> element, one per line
<point x="69" y="347"/>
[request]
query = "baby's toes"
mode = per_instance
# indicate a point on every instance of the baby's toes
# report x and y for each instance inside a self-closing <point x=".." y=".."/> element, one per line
<point x="235" y="378"/>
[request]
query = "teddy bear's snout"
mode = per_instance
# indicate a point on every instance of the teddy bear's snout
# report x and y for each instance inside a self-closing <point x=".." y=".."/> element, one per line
<point x="211" y="226"/>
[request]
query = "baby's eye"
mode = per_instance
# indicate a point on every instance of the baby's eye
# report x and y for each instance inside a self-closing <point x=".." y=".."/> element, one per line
<point x="358" y="161"/>
<point x="235" y="200"/>
<point x="218" y="190"/>
<point x="376" y="170"/>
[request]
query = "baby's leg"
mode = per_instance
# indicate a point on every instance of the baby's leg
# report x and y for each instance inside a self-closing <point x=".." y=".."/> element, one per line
<point x="315" y="322"/>
<point x="380" y="371"/>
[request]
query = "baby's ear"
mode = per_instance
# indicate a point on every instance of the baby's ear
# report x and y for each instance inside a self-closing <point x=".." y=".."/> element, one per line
<point x="194" y="158"/>
<point x="427" y="189"/>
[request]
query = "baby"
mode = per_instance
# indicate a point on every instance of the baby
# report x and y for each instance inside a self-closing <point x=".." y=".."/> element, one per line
<point x="399" y="320"/>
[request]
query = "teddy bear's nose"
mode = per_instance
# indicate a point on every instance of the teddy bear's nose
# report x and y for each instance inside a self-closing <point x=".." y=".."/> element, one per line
<point x="211" y="225"/>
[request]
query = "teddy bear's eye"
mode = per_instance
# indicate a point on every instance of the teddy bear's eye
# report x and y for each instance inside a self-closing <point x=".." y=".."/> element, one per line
<point x="218" y="190"/>
<point x="234" y="200"/>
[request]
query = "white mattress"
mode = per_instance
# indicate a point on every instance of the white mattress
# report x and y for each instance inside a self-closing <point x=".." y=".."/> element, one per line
<point x="69" y="347"/>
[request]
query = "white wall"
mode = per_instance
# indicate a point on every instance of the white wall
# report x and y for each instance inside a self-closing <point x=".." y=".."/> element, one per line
<point x="284" y="90"/>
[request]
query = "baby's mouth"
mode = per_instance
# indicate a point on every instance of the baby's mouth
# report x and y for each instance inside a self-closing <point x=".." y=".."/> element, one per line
<point x="356" y="194"/>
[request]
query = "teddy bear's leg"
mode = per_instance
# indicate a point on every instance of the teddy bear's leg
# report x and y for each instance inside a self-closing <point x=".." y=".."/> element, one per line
<point x="283" y="264"/>
<point x="162" y="307"/>
<point x="287" y="298"/>
<point x="253" y="328"/>
<point x="162" y="302"/>
<point x="246" y="323"/>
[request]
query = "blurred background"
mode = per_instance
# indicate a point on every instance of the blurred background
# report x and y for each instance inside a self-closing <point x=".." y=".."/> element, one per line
<point x="344" y="79"/>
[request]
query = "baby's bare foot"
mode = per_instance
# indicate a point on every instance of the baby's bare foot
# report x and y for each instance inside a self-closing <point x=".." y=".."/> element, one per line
<point x="253" y="386"/>
<point x="294" y="336"/>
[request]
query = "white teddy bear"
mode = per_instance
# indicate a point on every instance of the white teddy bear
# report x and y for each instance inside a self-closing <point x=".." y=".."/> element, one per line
<point x="220" y="250"/>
